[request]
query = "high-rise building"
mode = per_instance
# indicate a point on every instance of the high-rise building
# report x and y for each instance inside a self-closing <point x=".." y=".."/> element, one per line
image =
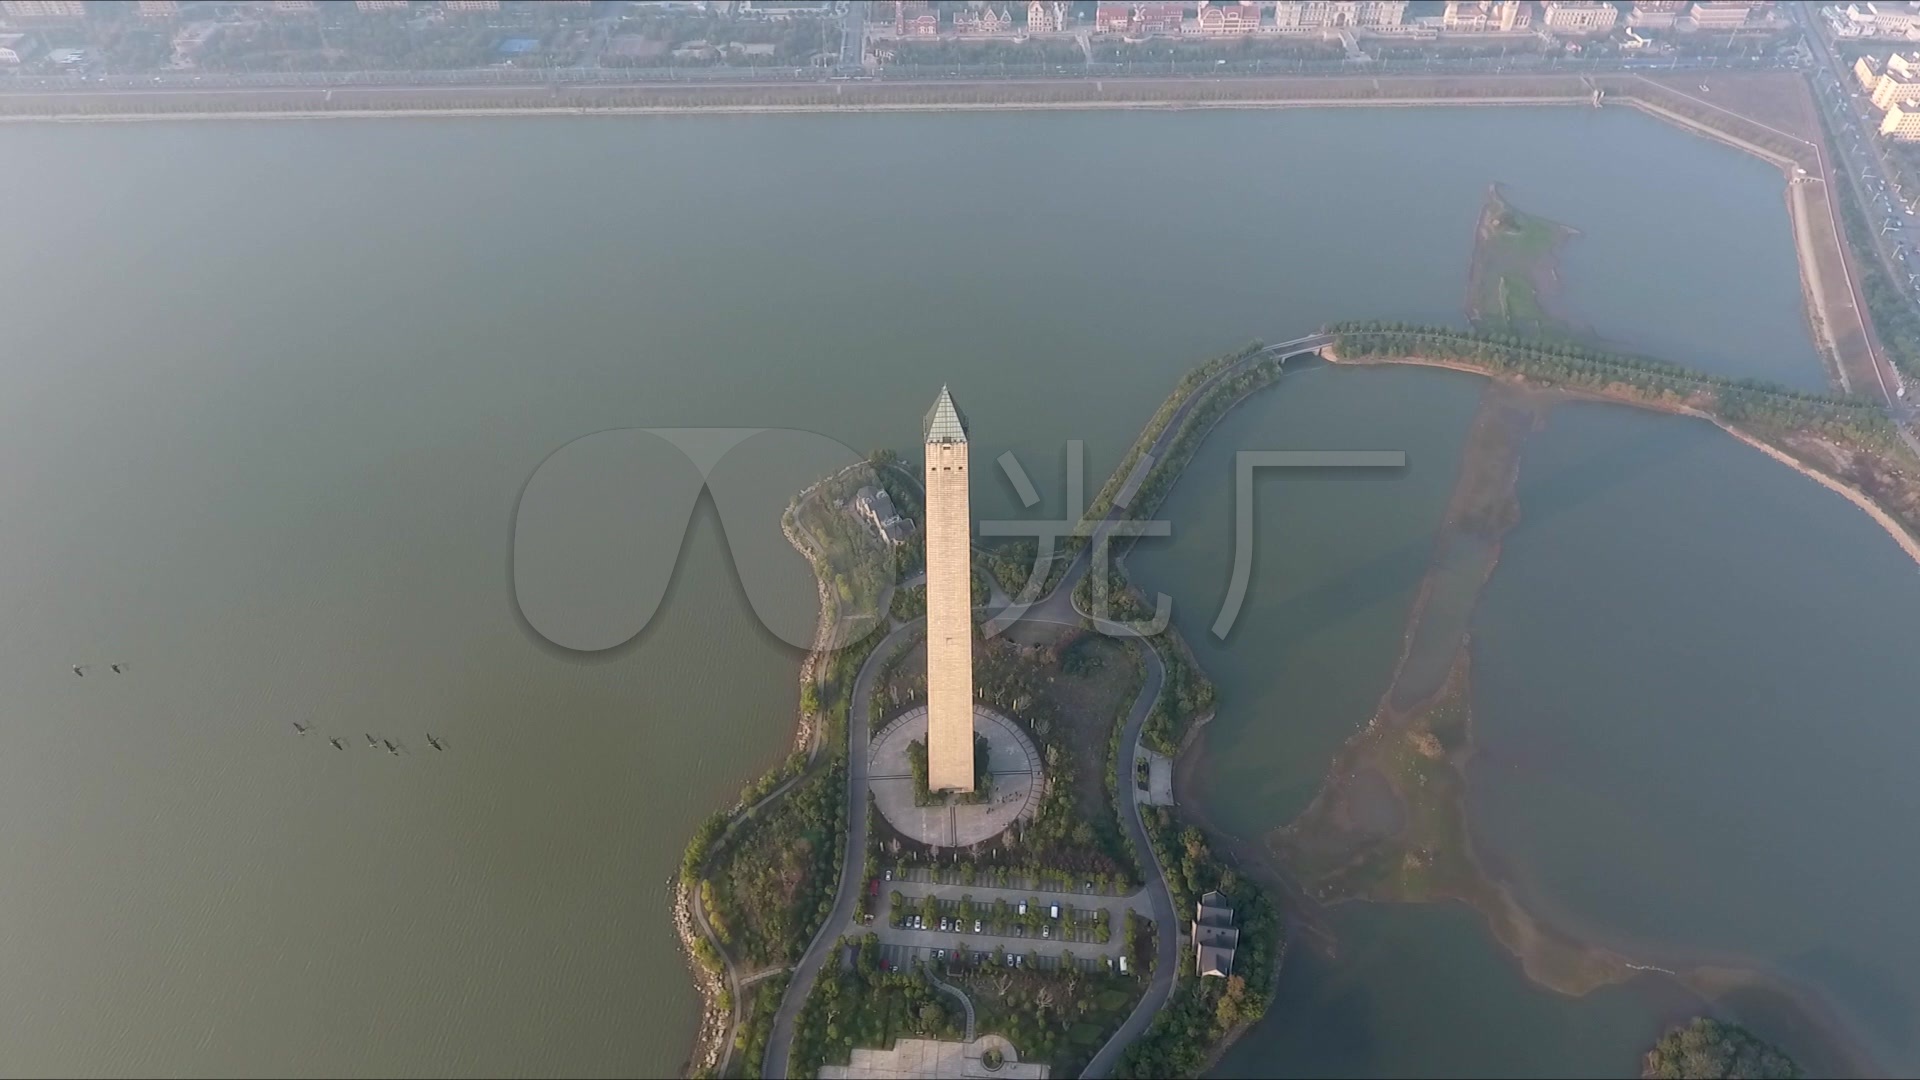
<point x="1902" y="122"/>
<point x="1897" y="80"/>
<point x="949" y="600"/>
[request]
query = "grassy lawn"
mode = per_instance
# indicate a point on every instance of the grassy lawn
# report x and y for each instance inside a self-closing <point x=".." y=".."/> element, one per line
<point x="1514" y="260"/>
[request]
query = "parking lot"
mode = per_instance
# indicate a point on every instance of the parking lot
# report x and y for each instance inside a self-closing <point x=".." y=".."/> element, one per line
<point x="981" y="924"/>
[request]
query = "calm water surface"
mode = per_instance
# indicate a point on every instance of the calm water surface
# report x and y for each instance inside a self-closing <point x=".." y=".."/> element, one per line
<point x="1697" y="739"/>
<point x="274" y="389"/>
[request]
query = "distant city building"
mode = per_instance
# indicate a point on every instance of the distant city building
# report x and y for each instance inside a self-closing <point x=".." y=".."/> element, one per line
<point x="1720" y="15"/>
<point x="1215" y="938"/>
<point x="1291" y="15"/>
<point x="1381" y="14"/>
<point x="1466" y="15"/>
<point x="1655" y="14"/>
<point x="983" y="20"/>
<point x="291" y="7"/>
<point x="1222" y="17"/>
<point x="18" y="48"/>
<point x="1578" y="16"/>
<point x="1138" y="20"/>
<point x="1898" y="79"/>
<point x="1046" y="17"/>
<point x="915" y="18"/>
<point x="157" y="9"/>
<point x="1902" y="122"/>
<point x="1511" y="15"/>
<point x="876" y="506"/>
<point x="1299" y="14"/>
<point x="1874" y="20"/>
<point x="470" y="5"/>
<point x="382" y="5"/>
<point x="784" y="9"/>
<point x="44" y="9"/>
<point x="1893" y="85"/>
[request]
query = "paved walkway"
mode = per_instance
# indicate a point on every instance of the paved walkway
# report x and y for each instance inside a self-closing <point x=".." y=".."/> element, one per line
<point x="1058" y="605"/>
<point x="852" y="867"/>
<point x="1055" y="607"/>
<point x="965" y="1001"/>
<point x="1011" y="760"/>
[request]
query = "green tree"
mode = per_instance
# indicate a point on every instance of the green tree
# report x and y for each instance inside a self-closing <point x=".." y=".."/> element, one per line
<point x="1707" y="1048"/>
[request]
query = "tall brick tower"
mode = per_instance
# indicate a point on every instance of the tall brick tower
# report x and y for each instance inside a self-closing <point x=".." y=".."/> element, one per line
<point x="949" y="601"/>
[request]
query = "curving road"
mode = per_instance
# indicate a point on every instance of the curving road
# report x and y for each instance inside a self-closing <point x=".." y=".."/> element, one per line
<point x="1167" y="929"/>
<point x="852" y="865"/>
<point x="1056" y="607"/>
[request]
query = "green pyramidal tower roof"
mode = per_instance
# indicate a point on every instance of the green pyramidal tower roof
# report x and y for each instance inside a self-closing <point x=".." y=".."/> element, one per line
<point x="945" y="422"/>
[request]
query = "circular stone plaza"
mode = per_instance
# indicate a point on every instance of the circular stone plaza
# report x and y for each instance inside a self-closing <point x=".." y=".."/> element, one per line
<point x="1012" y="762"/>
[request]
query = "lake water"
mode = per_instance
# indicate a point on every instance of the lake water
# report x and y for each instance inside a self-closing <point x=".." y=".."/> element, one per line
<point x="1733" y="781"/>
<point x="275" y="388"/>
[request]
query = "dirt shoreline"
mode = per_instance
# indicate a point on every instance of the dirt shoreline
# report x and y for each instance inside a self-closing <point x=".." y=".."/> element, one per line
<point x="1352" y="850"/>
<point x="1542" y="272"/>
<point x="1907" y="541"/>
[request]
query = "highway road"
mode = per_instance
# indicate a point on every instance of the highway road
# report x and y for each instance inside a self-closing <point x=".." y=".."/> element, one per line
<point x="1861" y="162"/>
